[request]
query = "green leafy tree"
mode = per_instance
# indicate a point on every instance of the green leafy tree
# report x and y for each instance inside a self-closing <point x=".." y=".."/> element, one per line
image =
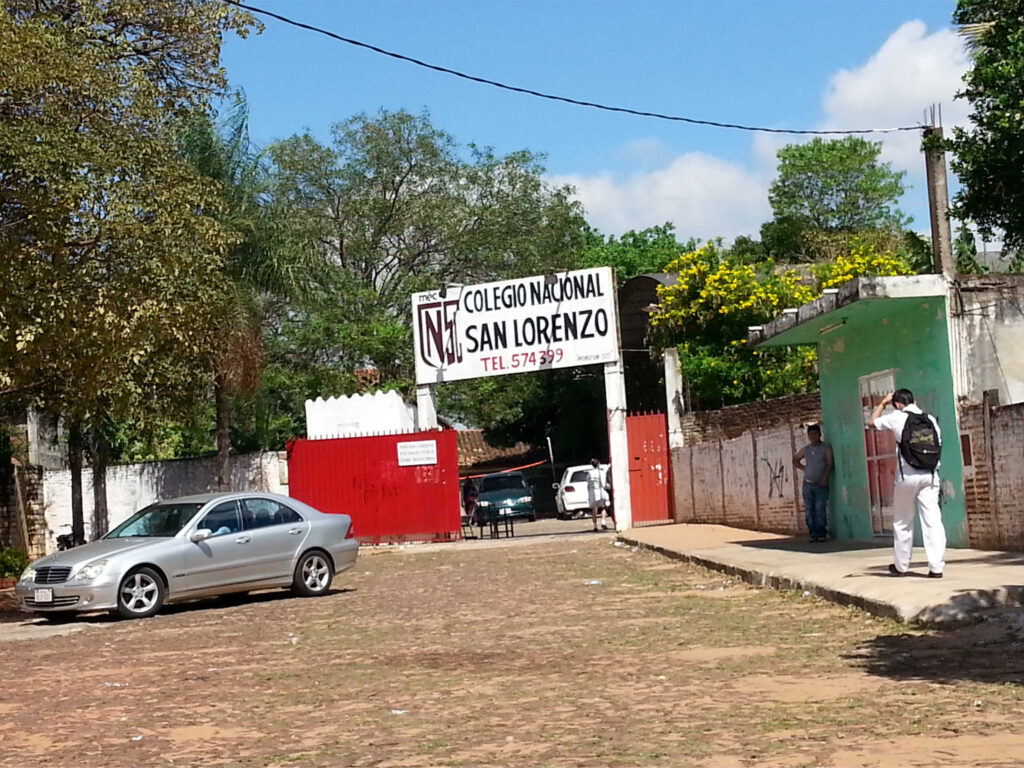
<point x="965" y="253"/>
<point x="636" y="252"/>
<point x="988" y="156"/>
<point x="108" y="266"/>
<point x="567" y="405"/>
<point x="268" y="265"/>
<point x="398" y="206"/>
<point x="828" y="191"/>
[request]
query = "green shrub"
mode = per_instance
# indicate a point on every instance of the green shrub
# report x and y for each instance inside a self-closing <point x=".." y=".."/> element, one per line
<point x="12" y="562"/>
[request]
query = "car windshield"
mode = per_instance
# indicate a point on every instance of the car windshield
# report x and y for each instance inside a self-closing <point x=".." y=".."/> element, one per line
<point x="159" y="520"/>
<point x="502" y="483"/>
<point x="579" y="476"/>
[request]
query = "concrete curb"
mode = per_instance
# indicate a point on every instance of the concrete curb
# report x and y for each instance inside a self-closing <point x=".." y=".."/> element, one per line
<point x="777" y="581"/>
<point x="962" y="605"/>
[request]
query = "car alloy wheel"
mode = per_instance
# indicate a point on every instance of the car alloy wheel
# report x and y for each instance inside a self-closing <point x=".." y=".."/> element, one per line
<point x="141" y="594"/>
<point x="313" y="574"/>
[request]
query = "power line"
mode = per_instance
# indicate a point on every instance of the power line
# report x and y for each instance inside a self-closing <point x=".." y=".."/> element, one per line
<point x="553" y="97"/>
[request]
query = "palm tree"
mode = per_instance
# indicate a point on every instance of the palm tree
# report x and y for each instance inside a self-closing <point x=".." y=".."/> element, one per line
<point x="266" y="264"/>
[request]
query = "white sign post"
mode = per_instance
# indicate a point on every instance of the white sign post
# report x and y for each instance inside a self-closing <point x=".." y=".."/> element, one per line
<point x="518" y="326"/>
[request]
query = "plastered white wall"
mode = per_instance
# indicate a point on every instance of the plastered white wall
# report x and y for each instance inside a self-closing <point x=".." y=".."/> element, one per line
<point x="130" y="487"/>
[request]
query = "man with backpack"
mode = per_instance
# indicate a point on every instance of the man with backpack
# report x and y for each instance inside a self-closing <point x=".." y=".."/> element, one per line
<point x="920" y="443"/>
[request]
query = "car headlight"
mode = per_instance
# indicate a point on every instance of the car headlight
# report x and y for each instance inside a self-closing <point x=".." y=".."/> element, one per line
<point x="524" y="499"/>
<point x="484" y="504"/>
<point x="29" y="574"/>
<point x="92" y="570"/>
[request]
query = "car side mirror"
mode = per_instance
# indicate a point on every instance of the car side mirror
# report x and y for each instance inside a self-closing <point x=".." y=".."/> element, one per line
<point x="555" y="486"/>
<point x="201" y="534"/>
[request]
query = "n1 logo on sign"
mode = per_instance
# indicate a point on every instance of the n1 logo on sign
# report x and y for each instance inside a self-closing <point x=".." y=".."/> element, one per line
<point x="438" y="343"/>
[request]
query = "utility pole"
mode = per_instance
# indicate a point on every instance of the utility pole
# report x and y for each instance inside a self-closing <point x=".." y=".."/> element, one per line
<point x="674" y="403"/>
<point x="938" y="198"/>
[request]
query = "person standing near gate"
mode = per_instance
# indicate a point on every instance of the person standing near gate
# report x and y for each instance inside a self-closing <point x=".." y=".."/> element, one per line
<point x="470" y="495"/>
<point x="596" y="493"/>
<point x="917" y="481"/>
<point x="816" y="462"/>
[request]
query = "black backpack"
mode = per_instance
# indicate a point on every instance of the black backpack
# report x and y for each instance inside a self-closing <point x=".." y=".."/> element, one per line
<point x="919" y="445"/>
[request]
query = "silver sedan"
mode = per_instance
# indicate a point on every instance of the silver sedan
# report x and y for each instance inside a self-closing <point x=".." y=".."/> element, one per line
<point x="191" y="547"/>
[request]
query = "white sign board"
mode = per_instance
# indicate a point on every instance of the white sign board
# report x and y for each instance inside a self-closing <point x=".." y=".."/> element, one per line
<point x="417" y="453"/>
<point x="515" y="326"/>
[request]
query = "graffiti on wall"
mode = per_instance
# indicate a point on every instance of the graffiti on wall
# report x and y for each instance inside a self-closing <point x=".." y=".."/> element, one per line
<point x="776" y="477"/>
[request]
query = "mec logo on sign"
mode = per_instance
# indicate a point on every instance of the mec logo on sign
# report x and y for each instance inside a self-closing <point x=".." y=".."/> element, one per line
<point x="439" y="345"/>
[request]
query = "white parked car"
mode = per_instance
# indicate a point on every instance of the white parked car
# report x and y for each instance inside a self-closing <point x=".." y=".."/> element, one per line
<point x="571" y="498"/>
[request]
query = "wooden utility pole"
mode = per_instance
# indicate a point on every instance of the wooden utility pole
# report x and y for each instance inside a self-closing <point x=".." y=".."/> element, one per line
<point x="938" y="200"/>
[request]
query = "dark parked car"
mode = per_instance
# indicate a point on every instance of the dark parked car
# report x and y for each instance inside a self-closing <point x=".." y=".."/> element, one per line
<point x="505" y="495"/>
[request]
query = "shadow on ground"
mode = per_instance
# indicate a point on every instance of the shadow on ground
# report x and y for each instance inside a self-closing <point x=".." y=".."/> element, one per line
<point x="990" y="651"/>
<point x="803" y="545"/>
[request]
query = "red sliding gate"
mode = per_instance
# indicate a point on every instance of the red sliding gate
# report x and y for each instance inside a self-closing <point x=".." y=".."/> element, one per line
<point x="372" y="479"/>
<point x="650" y="469"/>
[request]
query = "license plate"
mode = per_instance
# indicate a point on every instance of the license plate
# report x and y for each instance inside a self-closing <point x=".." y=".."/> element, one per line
<point x="44" y="596"/>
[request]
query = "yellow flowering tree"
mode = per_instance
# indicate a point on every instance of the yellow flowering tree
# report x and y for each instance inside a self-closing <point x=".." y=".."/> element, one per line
<point x="863" y="260"/>
<point x="707" y="311"/>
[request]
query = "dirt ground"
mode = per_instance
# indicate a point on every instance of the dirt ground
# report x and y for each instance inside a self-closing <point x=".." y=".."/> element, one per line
<point x="565" y="651"/>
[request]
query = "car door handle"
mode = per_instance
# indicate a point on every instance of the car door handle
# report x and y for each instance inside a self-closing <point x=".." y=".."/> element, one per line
<point x="294" y="531"/>
<point x="243" y="539"/>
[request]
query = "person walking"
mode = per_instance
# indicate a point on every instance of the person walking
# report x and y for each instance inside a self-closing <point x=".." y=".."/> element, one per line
<point x="816" y="462"/>
<point x="917" y="481"/>
<point x="596" y="494"/>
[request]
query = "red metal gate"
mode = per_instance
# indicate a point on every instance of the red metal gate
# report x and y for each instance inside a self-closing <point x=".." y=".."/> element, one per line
<point x="650" y="475"/>
<point x="378" y="481"/>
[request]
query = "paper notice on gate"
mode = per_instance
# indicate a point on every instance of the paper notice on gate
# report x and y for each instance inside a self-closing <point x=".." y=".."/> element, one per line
<point x="416" y="453"/>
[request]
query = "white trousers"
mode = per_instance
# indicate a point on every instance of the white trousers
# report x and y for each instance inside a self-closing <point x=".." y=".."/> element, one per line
<point x="924" y="490"/>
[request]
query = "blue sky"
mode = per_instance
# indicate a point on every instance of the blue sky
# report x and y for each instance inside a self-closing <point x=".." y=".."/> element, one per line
<point x="777" y="63"/>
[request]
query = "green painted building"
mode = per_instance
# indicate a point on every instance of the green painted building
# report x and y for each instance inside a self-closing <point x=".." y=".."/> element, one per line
<point x="874" y="335"/>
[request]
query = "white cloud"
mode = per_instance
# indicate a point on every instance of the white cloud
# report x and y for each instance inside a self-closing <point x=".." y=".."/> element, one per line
<point x="704" y="196"/>
<point x="910" y="72"/>
<point x="646" y="154"/>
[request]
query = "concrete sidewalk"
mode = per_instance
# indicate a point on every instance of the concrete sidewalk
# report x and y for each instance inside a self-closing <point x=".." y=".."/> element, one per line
<point x="848" y="572"/>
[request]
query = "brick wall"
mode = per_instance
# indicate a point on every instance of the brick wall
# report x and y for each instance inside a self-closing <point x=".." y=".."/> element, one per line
<point x="1007" y="463"/>
<point x="734" y="421"/>
<point x="9" y="536"/>
<point x="736" y="468"/>
<point x="31" y="479"/>
<point x="22" y="486"/>
<point x="992" y="442"/>
<point x="982" y="528"/>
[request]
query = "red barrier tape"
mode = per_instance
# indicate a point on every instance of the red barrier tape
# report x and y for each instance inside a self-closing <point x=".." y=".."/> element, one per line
<point x="502" y="472"/>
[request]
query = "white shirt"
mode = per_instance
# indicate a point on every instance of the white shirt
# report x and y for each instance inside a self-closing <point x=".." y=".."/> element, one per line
<point x="596" y="493"/>
<point x="894" y="421"/>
